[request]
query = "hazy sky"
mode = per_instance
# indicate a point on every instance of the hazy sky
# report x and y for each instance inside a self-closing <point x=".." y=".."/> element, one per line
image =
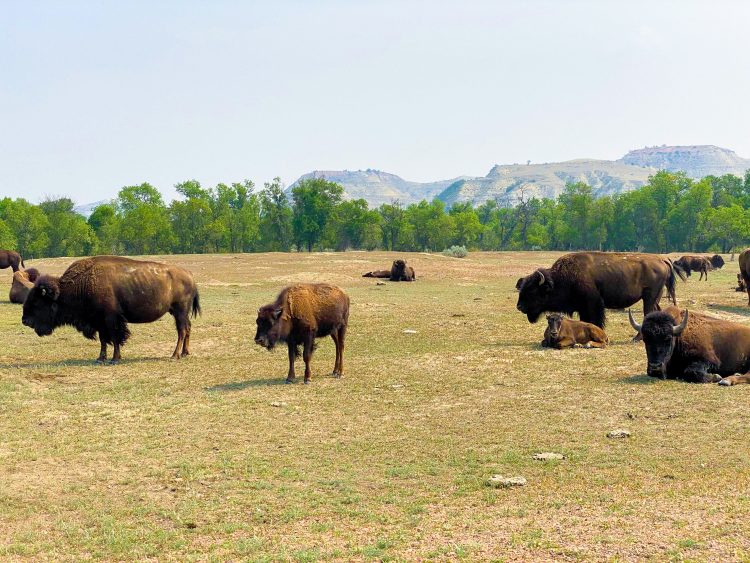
<point x="97" y="95"/>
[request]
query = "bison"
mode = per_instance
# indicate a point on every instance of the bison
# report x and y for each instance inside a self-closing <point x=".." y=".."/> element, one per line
<point x="694" y="347"/>
<point x="300" y="314"/>
<point x="717" y="262"/>
<point x="690" y="264"/>
<point x="744" y="261"/>
<point x="104" y="293"/>
<point x="11" y="259"/>
<point x="565" y="333"/>
<point x="23" y="281"/>
<point x="741" y="287"/>
<point x="589" y="282"/>
<point x="399" y="272"/>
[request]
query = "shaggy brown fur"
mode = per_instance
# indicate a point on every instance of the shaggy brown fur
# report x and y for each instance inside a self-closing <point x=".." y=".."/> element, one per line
<point x="22" y="284"/>
<point x="588" y="282"/>
<point x="565" y="333"/>
<point x="11" y="259"/>
<point x="300" y="314"/>
<point x="705" y="351"/>
<point x="399" y="272"/>
<point x="104" y="293"/>
<point x="690" y="264"/>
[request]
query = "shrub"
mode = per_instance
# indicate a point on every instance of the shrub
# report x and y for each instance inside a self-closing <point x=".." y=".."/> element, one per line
<point x="456" y="252"/>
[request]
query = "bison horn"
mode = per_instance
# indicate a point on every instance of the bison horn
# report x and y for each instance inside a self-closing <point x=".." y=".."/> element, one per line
<point x="634" y="324"/>
<point x="541" y="275"/>
<point x="677" y="330"/>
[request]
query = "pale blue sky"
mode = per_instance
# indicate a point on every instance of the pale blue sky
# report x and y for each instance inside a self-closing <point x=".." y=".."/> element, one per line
<point x="97" y="95"/>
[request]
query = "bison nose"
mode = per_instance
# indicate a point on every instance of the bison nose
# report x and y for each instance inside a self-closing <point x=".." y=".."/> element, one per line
<point x="25" y="321"/>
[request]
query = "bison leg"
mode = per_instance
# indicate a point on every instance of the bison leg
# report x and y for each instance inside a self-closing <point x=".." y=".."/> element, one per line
<point x="292" y="356"/>
<point x="307" y="353"/>
<point x="103" y="353"/>
<point x="697" y="372"/>
<point x="338" y="338"/>
<point x="564" y="342"/>
<point x="180" y="321"/>
<point x="186" y="342"/>
<point x="595" y="344"/>
<point x="735" y="379"/>
<point x="116" y="357"/>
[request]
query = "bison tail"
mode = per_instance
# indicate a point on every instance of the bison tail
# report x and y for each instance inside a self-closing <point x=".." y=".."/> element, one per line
<point x="672" y="280"/>
<point x="196" y="305"/>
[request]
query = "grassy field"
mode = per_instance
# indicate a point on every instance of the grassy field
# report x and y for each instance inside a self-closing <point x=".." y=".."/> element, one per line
<point x="214" y="458"/>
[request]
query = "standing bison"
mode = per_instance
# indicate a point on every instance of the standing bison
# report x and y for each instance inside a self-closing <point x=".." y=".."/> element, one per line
<point x="300" y="314"/>
<point x="690" y="264"/>
<point x="103" y="294"/>
<point x="23" y="281"/>
<point x="588" y="282"/>
<point x="11" y="259"/>
<point x="695" y="347"/>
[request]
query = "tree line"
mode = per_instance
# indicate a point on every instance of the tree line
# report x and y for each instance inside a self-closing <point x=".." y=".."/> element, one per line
<point x="670" y="213"/>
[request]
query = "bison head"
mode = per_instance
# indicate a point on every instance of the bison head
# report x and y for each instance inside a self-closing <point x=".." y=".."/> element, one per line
<point x="33" y="274"/>
<point x="271" y="326"/>
<point x="399" y="266"/>
<point x="717" y="262"/>
<point x="659" y="333"/>
<point x="554" y="322"/>
<point x="41" y="308"/>
<point x="534" y="293"/>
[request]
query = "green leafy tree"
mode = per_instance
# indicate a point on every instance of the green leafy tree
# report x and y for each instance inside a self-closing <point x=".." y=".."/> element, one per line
<point x="106" y="226"/>
<point x="275" y="218"/>
<point x="353" y="225"/>
<point x="145" y="226"/>
<point x="29" y="225"/>
<point x="313" y="203"/>
<point x="69" y="233"/>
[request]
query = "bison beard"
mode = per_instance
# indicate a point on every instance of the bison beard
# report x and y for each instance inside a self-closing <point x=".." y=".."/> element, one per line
<point x="101" y="295"/>
<point x="588" y="282"/>
<point x="300" y="314"/>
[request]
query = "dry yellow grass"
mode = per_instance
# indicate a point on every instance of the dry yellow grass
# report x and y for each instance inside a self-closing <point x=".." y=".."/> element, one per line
<point x="155" y="459"/>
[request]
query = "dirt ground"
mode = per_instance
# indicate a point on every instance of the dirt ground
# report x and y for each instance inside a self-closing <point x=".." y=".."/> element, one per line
<point x="214" y="458"/>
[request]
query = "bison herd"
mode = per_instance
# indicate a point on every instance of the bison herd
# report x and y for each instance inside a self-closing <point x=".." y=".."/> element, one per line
<point x="99" y="296"/>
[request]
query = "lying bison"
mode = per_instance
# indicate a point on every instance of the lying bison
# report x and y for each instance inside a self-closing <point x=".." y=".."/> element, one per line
<point x="103" y="294"/>
<point x="588" y="282"/>
<point x="565" y="333"/>
<point x="23" y="281"/>
<point x="690" y="264"/>
<point x="695" y="347"/>
<point x="300" y="314"/>
<point x="399" y="272"/>
<point x="11" y="259"/>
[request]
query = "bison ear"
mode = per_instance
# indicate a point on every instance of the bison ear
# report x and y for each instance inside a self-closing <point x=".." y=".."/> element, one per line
<point x="277" y="313"/>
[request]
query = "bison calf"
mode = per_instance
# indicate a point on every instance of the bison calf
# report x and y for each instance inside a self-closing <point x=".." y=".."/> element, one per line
<point x="300" y="314"/>
<point x="566" y="333"/>
<point x="23" y="281"/>
<point x="104" y="293"/>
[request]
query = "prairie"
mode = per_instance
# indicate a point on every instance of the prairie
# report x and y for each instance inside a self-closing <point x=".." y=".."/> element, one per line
<point x="214" y="458"/>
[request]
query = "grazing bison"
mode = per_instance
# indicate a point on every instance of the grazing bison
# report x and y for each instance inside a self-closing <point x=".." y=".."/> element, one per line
<point x="399" y="272"/>
<point x="695" y="347"/>
<point x="690" y="264"/>
<point x="104" y="293"/>
<point x="565" y="333"/>
<point x="11" y="259"/>
<point x="23" y="281"/>
<point x="589" y="282"/>
<point x="717" y="262"/>
<point x="300" y="314"/>
<point x="744" y="261"/>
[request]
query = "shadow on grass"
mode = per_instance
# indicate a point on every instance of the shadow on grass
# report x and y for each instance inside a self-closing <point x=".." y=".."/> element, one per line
<point x="75" y="363"/>
<point x="742" y="311"/>
<point x="240" y="385"/>
<point x="638" y="380"/>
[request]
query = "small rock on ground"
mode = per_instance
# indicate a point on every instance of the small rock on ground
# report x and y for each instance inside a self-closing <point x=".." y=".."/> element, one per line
<point x="410" y="331"/>
<point x="547" y="456"/>
<point x="498" y="482"/>
<point x="618" y="434"/>
<point x="278" y="404"/>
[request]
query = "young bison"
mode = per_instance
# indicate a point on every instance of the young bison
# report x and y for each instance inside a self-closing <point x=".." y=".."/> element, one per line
<point x="740" y="284"/>
<point x="565" y="333"/>
<point x="300" y="314"/>
<point x="23" y="281"/>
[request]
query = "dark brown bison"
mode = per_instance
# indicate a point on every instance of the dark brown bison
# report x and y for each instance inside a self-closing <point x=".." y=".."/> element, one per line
<point x="23" y="281"/>
<point x="565" y="333"/>
<point x="103" y="294"/>
<point x="695" y="347"/>
<point x="399" y="272"/>
<point x="300" y="314"/>
<point x="588" y="282"/>
<point x="744" y="261"/>
<point x="11" y="259"/>
<point x="717" y="262"/>
<point x="690" y="264"/>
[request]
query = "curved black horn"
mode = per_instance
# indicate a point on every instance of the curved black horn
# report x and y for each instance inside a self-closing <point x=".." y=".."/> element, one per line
<point x="677" y="330"/>
<point x="634" y="324"/>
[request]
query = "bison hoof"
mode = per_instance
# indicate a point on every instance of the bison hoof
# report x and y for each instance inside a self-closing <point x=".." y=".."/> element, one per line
<point x="336" y="374"/>
<point x="101" y="361"/>
<point x="307" y="382"/>
<point x="725" y="383"/>
<point x="289" y="381"/>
